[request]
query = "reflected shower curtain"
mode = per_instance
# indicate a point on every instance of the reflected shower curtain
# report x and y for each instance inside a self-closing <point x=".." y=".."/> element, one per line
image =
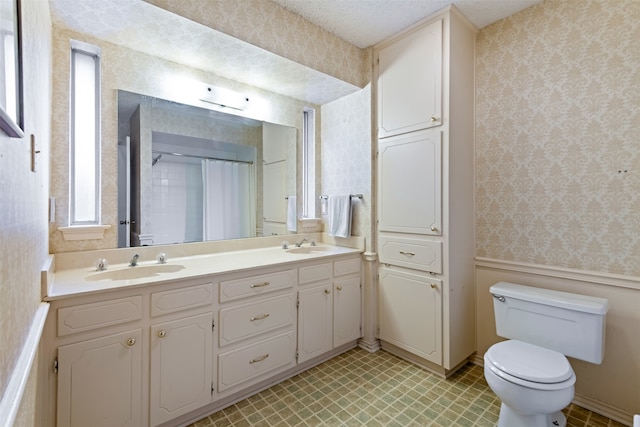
<point x="229" y="210"/>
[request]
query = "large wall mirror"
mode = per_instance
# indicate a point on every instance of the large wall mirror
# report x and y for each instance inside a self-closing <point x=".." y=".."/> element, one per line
<point x="191" y="174"/>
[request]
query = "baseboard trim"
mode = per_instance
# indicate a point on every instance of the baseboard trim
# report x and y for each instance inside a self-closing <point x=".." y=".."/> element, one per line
<point x="12" y="397"/>
<point x="608" y="411"/>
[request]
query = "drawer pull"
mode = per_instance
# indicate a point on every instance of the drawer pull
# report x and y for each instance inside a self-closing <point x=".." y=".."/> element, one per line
<point x="259" y="285"/>
<point x="259" y="359"/>
<point x="162" y="334"/>
<point x="259" y="317"/>
<point x="407" y="253"/>
<point x="339" y="287"/>
<point x="131" y="342"/>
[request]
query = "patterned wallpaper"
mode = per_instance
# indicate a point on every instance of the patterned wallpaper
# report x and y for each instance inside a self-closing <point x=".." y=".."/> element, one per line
<point x="271" y="27"/>
<point x="558" y="136"/>
<point x="346" y="156"/>
<point x="24" y="206"/>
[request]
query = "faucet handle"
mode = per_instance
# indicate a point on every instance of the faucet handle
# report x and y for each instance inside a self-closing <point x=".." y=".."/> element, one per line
<point x="285" y="245"/>
<point x="162" y="258"/>
<point x="101" y="264"/>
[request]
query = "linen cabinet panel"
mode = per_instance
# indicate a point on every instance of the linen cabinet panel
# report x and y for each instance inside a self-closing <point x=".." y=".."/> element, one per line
<point x="410" y="82"/>
<point x="425" y="215"/>
<point x="409" y="183"/>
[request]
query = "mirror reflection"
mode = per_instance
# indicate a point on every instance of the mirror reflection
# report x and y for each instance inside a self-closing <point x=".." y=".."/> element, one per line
<point x="189" y="174"/>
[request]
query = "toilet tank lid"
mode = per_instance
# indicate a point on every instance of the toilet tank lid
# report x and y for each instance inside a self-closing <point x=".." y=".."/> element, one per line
<point x="583" y="303"/>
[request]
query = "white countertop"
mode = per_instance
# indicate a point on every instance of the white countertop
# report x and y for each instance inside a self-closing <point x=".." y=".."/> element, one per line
<point x="86" y="280"/>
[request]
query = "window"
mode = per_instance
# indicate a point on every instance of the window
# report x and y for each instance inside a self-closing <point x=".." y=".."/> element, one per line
<point x="84" y="158"/>
<point x="309" y="164"/>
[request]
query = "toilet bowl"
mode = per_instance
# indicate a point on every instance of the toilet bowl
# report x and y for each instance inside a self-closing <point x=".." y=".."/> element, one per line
<point x="529" y="372"/>
<point x="533" y="383"/>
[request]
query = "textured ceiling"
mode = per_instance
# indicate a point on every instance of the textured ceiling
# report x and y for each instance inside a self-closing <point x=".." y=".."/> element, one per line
<point x="367" y="22"/>
<point x="140" y="26"/>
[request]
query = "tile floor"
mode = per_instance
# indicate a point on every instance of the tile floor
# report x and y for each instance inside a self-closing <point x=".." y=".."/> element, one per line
<point x="359" y="388"/>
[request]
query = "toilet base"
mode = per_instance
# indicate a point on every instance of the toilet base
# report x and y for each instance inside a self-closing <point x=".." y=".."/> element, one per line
<point x="510" y="418"/>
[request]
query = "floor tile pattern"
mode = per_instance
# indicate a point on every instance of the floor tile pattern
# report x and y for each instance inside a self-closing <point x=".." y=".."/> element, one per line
<point x="359" y="388"/>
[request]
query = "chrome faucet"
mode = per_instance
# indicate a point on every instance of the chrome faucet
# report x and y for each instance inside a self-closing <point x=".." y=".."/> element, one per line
<point x="134" y="260"/>
<point x="304" y="239"/>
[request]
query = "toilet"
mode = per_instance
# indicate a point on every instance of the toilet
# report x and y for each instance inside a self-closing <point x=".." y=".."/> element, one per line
<point x="530" y="372"/>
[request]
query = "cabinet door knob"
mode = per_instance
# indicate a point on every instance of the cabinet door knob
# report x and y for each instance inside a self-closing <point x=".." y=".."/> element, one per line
<point x="327" y="291"/>
<point x="433" y="119"/>
<point x="434" y="228"/>
<point x="131" y="342"/>
<point x="162" y="334"/>
<point x="339" y="287"/>
<point x="434" y="286"/>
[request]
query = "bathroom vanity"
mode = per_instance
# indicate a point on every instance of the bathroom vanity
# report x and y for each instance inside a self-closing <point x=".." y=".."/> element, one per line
<point x="170" y="343"/>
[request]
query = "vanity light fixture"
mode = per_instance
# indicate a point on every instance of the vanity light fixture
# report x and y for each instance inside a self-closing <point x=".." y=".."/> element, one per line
<point x="225" y="97"/>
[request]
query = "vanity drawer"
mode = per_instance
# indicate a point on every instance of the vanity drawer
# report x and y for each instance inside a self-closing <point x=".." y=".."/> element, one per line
<point x="248" y="320"/>
<point x="314" y="273"/>
<point x="181" y="299"/>
<point x="347" y="266"/>
<point x="255" y="285"/>
<point x="86" y="317"/>
<point x="419" y="254"/>
<point x="247" y="363"/>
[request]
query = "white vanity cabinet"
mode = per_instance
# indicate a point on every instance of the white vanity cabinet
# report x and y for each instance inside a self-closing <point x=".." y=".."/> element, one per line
<point x="425" y="224"/>
<point x="130" y="358"/>
<point x="99" y="362"/>
<point x="256" y="329"/>
<point x="329" y="307"/>
<point x="100" y="381"/>
<point x="181" y="360"/>
<point x="170" y="352"/>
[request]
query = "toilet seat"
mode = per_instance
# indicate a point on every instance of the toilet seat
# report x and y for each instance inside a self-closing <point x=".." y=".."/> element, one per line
<point x="530" y="366"/>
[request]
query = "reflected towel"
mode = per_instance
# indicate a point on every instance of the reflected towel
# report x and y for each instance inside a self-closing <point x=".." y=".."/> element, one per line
<point x="292" y="221"/>
<point x="340" y="216"/>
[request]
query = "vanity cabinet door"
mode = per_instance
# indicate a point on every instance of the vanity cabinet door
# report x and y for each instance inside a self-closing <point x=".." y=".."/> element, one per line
<point x="346" y="311"/>
<point x="411" y="312"/>
<point x="410" y="82"/>
<point x="181" y="367"/>
<point x="100" y="381"/>
<point x="315" y="324"/>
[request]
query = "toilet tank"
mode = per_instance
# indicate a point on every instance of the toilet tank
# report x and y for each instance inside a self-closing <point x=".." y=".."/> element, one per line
<point x="571" y="324"/>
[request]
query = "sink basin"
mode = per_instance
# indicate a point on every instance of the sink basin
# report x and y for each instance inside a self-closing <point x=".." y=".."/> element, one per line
<point x="131" y="273"/>
<point x="309" y="249"/>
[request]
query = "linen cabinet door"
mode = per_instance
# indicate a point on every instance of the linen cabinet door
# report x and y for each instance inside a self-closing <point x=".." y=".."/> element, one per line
<point x="410" y="82"/>
<point x="411" y="312"/>
<point x="410" y="183"/>
<point x="181" y="367"/>
<point x="100" y="381"/>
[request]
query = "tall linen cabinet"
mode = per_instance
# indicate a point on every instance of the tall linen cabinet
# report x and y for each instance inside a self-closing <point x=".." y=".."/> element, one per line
<point x="425" y="208"/>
